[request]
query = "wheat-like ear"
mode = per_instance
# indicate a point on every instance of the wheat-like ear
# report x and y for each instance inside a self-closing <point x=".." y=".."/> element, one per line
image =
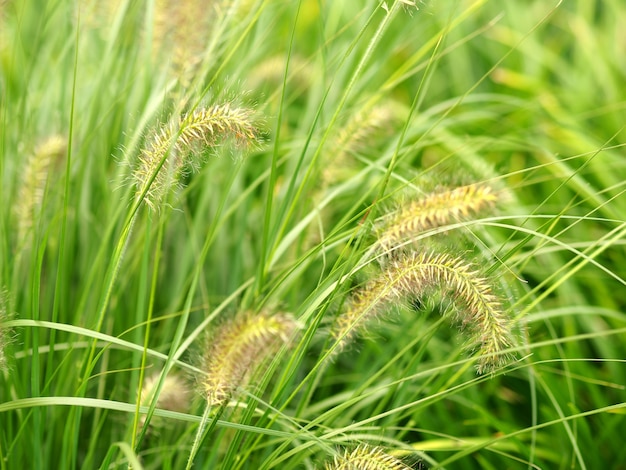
<point x="35" y="178"/>
<point x="418" y="274"/>
<point x="237" y="347"/>
<point x="178" y="146"/>
<point x="366" y="458"/>
<point x="434" y="210"/>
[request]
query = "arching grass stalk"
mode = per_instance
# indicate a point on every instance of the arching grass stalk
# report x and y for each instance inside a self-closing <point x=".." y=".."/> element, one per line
<point x="179" y="145"/>
<point x="174" y="149"/>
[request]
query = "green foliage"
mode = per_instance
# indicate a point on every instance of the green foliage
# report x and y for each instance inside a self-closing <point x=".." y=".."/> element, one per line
<point x="288" y="306"/>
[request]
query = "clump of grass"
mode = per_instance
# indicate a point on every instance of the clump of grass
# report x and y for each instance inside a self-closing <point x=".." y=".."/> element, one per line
<point x="237" y="347"/>
<point x="178" y="146"/>
<point x="35" y="178"/>
<point x="174" y="395"/>
<point x="418" y="274"/>
<point x="431" y="211"/>
<point x="366" y="458"/>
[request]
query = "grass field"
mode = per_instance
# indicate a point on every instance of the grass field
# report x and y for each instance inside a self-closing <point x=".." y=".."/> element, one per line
<point x="312" y="235"/>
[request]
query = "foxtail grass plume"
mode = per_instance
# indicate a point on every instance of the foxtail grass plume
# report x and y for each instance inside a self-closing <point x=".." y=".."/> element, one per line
<point x="366" y="458"/>
<point x="270" y="73"/>
<point x="432" y="211"/>
<point x="357" y="134"/>
<point x="5" y="333"/>
<point x="178" y="146"/>
<point x="34" y="181"/>
<point x="418" y="274"/>
<point x="182" y="30"/>
<point x="238" y="347"/>
<point x="174" y="395"/>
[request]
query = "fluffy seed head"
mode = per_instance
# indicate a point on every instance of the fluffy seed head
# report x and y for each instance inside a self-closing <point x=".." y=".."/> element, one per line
<point x="174" y="396"/>
<point x="366" y="458"/>
<point x="34" y="181"/>
<point x="354" y="136"/>
<point x="432" y="211"/>
<point x="182" y="29"/>
<point x="178" y="146"/>
<point x="418" y="274"/>
<point x="5" y="333"/>
<point x="238" y="347"/>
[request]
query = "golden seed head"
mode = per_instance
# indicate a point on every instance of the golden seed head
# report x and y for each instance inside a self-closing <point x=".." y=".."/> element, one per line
<point x="34" y="181"/>
<point x="174" y="394"/>
<point x="419" y="274"/>
<point x="238" y="347"/>
<point x="178" y="146"/>
<point x="5" y="333"/>
<point x="366" y="458"/>
<point x="432" y="211"/>
<point x="357" y="134"/>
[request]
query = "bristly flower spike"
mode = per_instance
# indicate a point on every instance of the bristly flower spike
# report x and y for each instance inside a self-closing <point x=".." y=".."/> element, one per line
<point x="417" y="274"/>
<point x="434" y="210"/>
<point x="174" y="395"/>
<point x="5" y="333"/>
<point x="36" y="177"/>
<point x="366" y="458"/>
<point x="178" y="147"/>
<point x="238" y="347"/>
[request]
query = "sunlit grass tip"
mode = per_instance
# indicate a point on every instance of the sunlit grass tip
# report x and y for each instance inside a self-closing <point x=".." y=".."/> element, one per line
<point x="238" y="347"/>
<point x="366" y="458"/>
<point x="419" y="274"/>
<point x="434" y="210"/>
<point x="179" y="147"/>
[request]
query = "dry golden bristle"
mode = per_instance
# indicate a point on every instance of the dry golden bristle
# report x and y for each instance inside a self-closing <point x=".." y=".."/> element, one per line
<point x="178" y="146"/>
<point x="432" y="211"/>
<point x="418" y="274"/>
<point x="366" y="458"/>
<point x="239" y="346"/>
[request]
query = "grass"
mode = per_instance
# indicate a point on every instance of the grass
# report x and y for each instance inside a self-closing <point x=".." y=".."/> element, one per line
<point x="244" y="235"/>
